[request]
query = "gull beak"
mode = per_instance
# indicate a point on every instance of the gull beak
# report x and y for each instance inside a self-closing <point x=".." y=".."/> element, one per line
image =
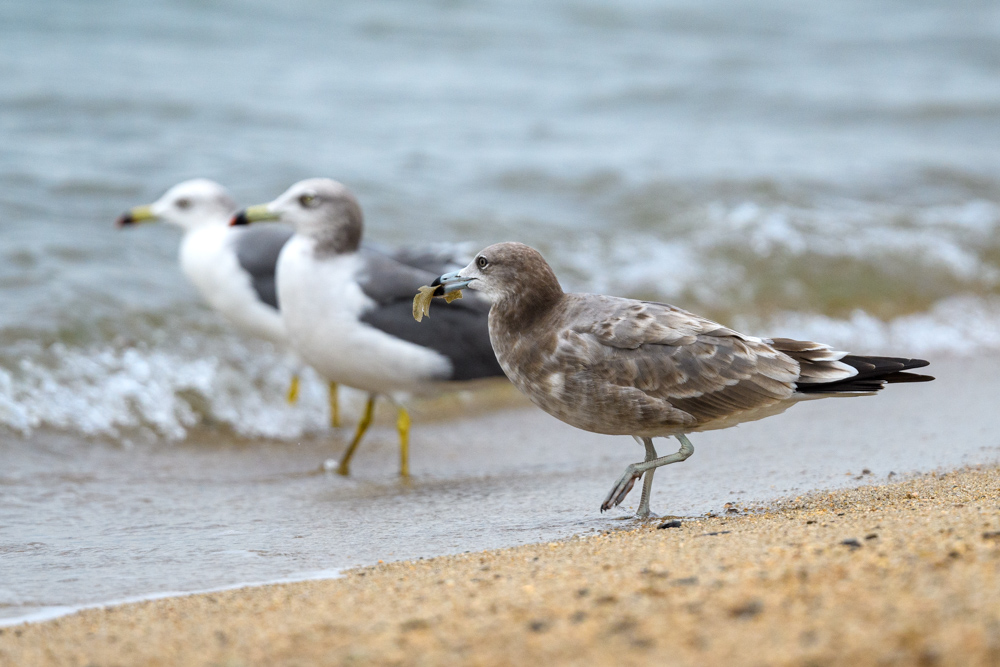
<point x="258" y="213"/>
<point x="450" y="282"/>
<point x="135" y="215"/>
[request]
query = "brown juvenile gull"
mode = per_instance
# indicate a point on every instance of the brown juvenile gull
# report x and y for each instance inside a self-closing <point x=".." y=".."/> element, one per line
<point x="625" y="367"/>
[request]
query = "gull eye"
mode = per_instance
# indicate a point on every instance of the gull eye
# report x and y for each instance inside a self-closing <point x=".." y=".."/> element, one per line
<point x="307" y="200"/>
<point x="482" y="262"/>
<point x="183" y="204"/>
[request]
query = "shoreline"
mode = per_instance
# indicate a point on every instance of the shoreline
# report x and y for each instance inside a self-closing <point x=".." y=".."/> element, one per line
<point x="891" y="573"/>
<point x="57" y="612"/>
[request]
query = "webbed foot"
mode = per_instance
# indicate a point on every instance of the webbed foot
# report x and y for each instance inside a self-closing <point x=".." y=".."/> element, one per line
<point x="621" y="487"/>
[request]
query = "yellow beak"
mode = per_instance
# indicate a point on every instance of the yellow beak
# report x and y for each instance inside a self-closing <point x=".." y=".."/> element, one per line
<point x="259" y="213"/>
<point x="136" y="215"/>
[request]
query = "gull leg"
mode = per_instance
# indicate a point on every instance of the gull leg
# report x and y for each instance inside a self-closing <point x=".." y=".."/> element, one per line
<point x="293" y="389"/>
<point x="403" y="426"/>
<point x="366" y="420"/>
<point x="647" y="479"/>
<point x="635" y="470"/>
<point x="334" y="406"/>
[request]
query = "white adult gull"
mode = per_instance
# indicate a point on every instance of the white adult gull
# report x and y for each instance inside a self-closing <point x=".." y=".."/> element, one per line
<point x="348" y="309"/>
<point x="233" y="269"/>
<point x="625" y="367"/>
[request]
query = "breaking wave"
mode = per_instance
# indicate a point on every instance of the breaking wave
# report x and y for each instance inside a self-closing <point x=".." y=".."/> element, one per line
<point x="142" y="393"/>
<point x="898" y="277"/>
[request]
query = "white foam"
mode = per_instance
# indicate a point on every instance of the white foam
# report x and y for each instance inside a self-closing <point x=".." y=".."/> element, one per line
<point x="958" y="326"/>
<point x="155" y="393"/>
<point x="49" y="613"/>
<point x="131" y="395"/>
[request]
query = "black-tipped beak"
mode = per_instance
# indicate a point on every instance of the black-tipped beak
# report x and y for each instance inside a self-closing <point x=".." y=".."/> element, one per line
<point x="135" y="215"/>
<point x="450" y="282"/>
<point x="251" y="214"/>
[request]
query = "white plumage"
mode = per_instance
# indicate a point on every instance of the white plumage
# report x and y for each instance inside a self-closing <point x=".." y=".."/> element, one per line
<point x="322" y="303"/>
<point x="208" y="254"/>
<point x="208" y="259"/>
<point x="231" y="267"/>
<point x="348" y="309"/>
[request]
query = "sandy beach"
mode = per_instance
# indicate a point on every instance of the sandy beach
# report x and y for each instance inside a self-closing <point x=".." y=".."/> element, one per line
<point x="898" y="573"/>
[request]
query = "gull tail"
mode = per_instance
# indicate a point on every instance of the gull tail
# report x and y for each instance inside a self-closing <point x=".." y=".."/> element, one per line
<point x="823" y="370"/>
<point x="873" y="373"/>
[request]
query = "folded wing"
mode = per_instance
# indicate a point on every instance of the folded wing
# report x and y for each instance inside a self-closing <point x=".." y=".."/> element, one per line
<point x="257" y="250"/>
<point x="457" y="330"/>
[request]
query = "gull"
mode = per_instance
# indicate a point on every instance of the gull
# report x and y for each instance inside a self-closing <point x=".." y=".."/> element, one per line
<point x="348" y="308"/>
<point x="625" y="367"/>
<point x="233" y="269"/>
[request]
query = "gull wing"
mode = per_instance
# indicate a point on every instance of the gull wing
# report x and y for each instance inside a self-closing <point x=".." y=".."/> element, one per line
<point x="660" y="356"/>
<point x="457" y="330"/>
<point x="257" y="250"/>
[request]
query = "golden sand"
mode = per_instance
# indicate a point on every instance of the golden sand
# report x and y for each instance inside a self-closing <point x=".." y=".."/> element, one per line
<point x="900" y="574"/>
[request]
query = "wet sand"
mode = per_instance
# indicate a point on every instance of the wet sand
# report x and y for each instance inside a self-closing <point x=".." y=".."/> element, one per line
<point x="901" y="573"/>
<point x="86" y="524"/>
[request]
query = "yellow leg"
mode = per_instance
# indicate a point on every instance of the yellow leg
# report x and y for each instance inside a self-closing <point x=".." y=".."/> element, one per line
<point x="403" y="426"/>
<point x="293" y="389"/>
<point x="366" y="420"/>
<point x="334" y="406"/>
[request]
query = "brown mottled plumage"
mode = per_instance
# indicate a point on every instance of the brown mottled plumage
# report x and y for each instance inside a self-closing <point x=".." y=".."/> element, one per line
<point x="625" y="367"/>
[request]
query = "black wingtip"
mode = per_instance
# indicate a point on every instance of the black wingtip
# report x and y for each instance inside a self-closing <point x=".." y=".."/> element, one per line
<point x="897" y="378"/>
<point x="873" y="374"/>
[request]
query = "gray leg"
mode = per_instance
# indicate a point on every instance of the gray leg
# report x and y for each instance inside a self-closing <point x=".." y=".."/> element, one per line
<point x="647" y="479"/>
<point x="635" y="471"/>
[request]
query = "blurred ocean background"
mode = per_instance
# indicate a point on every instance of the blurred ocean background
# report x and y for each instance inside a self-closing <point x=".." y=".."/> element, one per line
<point x="818" y="170"/>
<point x="827" y="170"/>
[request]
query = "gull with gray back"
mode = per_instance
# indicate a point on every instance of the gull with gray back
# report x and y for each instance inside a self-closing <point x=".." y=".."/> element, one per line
<point x="233" y="269"/>
<point x="625" y="367"/>
<point x="348" y="309"/>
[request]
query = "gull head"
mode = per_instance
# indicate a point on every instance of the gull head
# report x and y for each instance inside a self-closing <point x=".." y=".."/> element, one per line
<point x="508" y="274"/>
<point x="319" y="208"/>
<point x="189" y="205"/>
